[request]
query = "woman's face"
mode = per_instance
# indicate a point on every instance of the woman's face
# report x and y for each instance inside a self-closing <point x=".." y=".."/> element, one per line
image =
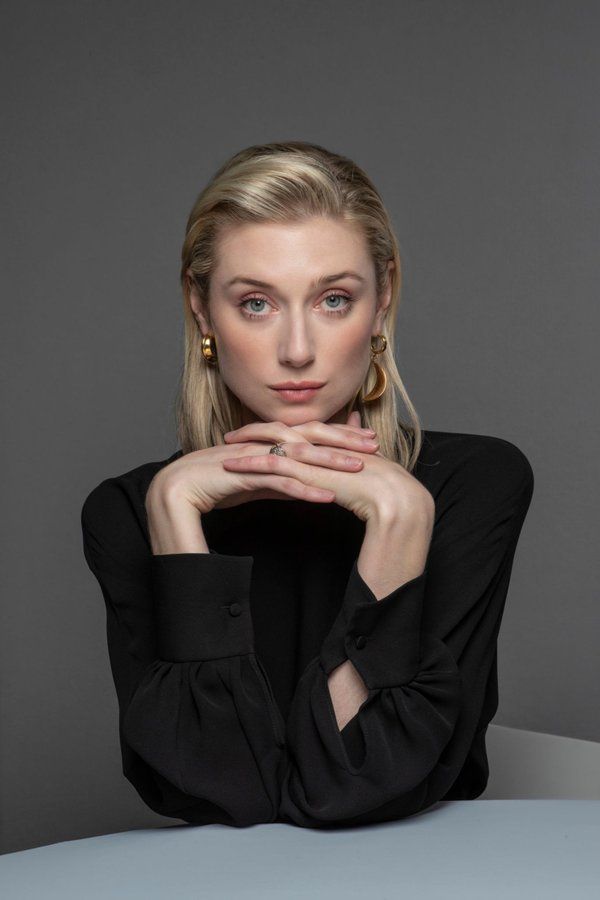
<point x="288" y="328"/>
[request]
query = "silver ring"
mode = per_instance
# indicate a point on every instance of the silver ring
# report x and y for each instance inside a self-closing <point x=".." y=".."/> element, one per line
<point x="277" y="449"/>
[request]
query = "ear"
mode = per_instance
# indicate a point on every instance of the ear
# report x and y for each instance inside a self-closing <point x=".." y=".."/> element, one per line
<point x="197" y="304"/>
<point x="385" y="299"/>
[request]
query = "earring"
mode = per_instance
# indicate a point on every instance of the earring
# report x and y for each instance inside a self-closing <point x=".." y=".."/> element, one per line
<point x="381" y="382"/>
<point x="209" y="349"/>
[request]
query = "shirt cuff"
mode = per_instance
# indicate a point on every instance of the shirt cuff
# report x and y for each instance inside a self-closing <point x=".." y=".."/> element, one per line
<point x="202" y="605"/>
<point x="380" y="637"/>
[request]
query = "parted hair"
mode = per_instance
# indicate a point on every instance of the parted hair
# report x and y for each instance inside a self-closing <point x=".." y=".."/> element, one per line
<point x="287" y="182"/>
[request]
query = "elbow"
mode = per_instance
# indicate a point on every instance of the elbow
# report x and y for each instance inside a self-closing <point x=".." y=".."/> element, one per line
<point x="164" y="797"/>
<point x="348" y="814"/>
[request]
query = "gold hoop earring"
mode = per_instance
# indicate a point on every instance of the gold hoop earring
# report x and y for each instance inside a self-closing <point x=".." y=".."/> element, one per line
<point x="381" y="381"/>
<point x="209" y="349"/>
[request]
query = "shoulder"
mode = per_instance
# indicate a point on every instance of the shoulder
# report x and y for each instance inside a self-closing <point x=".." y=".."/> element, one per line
<point x="118" y="500"/>
<point x="485" y="472"/>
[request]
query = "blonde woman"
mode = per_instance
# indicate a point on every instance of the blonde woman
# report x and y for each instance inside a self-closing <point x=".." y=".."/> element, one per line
<point x="303" y="601"/>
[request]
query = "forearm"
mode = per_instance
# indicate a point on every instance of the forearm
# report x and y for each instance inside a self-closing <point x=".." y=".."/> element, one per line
<point x="394" y="551"/>
<point x="174" y="524"/>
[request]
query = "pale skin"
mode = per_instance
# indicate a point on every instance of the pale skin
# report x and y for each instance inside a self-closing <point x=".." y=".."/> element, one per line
<point x="295" y="335"/>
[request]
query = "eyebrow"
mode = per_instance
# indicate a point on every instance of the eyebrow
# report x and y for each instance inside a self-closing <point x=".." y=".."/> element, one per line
<point x="324" y="279"/>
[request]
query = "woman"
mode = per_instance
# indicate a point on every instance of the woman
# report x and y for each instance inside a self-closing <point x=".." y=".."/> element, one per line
<point x="302" y="612"/>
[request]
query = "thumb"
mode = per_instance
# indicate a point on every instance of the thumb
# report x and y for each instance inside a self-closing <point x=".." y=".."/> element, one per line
<point x="354" y="418"/>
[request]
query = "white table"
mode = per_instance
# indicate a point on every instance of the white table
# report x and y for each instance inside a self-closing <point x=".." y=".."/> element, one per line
<point x="480" y="849"/>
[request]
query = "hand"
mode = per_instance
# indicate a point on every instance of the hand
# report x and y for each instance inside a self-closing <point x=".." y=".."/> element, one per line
<point x="351" y="436"/>
<point x="375" y="486"/>
<point x="199" y="479"/>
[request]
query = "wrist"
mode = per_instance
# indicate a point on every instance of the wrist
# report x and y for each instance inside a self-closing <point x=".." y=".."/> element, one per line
<point x="174" y="524"/>
<point x="412" y="513"/>
<point x="395" y="548"/>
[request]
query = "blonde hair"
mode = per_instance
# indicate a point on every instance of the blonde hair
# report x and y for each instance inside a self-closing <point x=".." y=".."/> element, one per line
<point x="287" y="182"/>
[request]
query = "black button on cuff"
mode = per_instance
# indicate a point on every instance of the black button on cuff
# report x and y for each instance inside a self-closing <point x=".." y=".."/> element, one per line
<point x="202" y="605"/>
<point x="382" y="638"/>
<point x="385" y="659"/>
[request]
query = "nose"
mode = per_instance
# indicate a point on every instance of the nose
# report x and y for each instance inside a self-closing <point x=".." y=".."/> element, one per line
<point x="296" y="345"/>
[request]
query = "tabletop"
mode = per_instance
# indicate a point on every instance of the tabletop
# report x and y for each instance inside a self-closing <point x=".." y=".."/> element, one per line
<point x="455" y="849"/>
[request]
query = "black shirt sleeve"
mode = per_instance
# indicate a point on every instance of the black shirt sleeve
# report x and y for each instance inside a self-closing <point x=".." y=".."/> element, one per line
<point x="199" y="737"/>
<point x="424" y="652"/>
<point x="202" y="737"/>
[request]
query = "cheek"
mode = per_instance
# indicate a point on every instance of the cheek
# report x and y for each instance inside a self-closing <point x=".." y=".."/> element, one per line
<point x="352" y="348"/>
<point x="245" y="355"/>
<point x="241" y="352"/>
<point x="232" y="339"/>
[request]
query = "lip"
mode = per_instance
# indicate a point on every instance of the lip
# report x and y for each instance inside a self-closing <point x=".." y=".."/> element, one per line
<point x="297" y="385"/>
<point x="295" y="395"/>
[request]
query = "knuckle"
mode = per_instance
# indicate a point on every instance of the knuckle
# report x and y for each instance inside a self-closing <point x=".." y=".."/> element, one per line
<point x="243" y="448"/>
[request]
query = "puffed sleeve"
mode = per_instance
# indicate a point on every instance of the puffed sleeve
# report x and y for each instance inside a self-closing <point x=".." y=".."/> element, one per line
<point x="200" y="732"/>
<point x="425" y="654"/>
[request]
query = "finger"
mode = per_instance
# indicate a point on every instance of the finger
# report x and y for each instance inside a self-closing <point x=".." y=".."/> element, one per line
<point x="346" y="437"/>
<point x="287" y="485"/>
<point x="305" y="453"/>
<point x="315" y="432"/>
<point x="324" y="433"/>
<point x="251" y="428"/>
<point x="323" y="456"/>
<point x="358" y="428"/>
<point x="310" y="475"/>
<point x="265" y="431"/>
<point x="354" y="421"/>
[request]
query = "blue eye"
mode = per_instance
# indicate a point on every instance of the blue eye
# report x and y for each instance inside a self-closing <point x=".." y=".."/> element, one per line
<point x="344" y="309"/>
<point x="330" y="312"/>
<point x="254" y="300"/>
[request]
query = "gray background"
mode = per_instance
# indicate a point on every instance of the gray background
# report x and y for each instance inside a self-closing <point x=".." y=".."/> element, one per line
<point x="478" y="122"/>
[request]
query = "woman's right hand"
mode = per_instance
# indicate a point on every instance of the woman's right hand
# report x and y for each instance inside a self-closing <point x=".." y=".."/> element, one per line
<point x="199" y="479"/>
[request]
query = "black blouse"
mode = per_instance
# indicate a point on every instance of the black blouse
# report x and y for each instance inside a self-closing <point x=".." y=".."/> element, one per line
<point x="220" y="660"/>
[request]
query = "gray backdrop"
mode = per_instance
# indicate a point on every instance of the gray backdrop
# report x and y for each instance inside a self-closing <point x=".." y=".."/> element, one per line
<point x="478" y="121"/>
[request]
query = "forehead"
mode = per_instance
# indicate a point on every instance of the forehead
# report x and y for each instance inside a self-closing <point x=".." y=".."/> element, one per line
<point x="321" y="241"/>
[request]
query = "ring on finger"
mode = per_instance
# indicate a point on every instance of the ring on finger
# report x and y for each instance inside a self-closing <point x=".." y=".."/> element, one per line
<point x="277" y="449"/>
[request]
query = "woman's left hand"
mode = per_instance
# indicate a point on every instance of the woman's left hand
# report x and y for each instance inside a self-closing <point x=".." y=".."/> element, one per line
<point x="378" y="487"/>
